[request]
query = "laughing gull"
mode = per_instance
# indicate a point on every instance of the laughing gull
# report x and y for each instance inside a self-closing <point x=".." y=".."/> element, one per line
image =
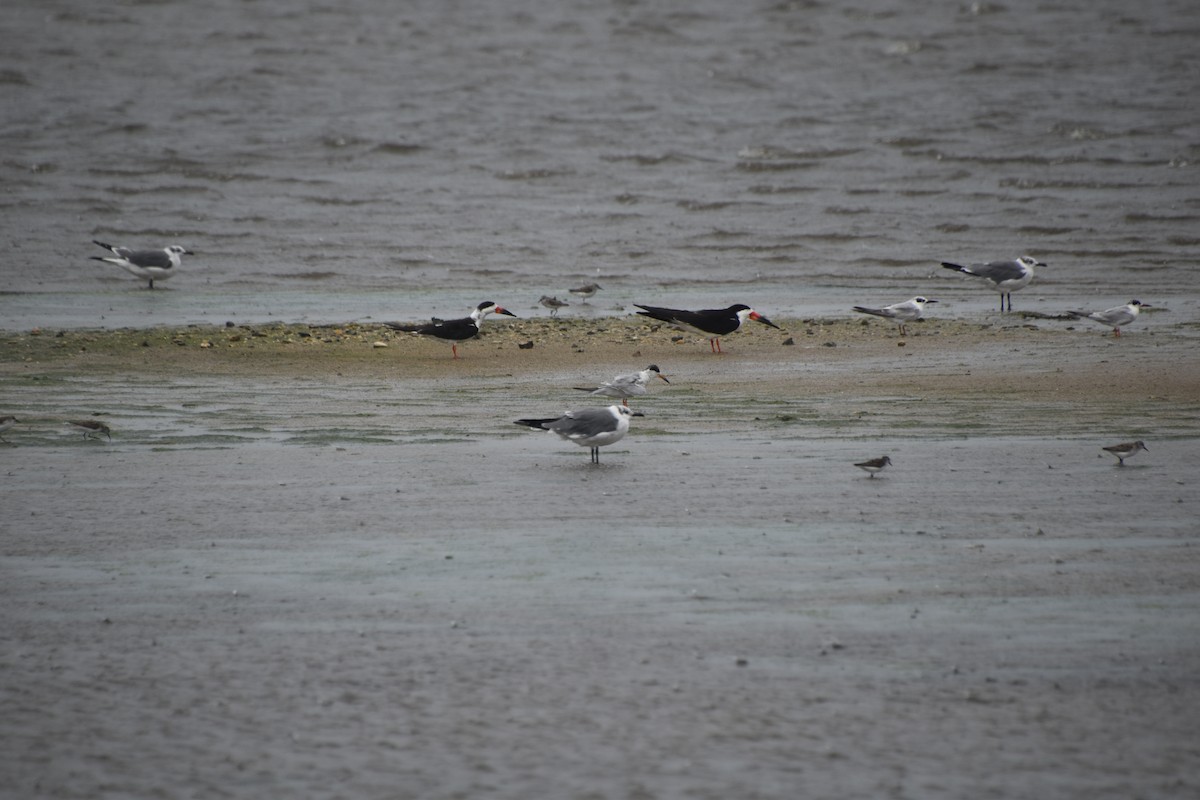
<point x="150" y="265"/>
<point x="874" y="465"/>
<point x="1116" y="317"/>
<point x="900" y="313"/>
<point x="553" y="303"/>
<point x="627" y="386"/>
<point x="1126" y="450"/>
<point x="1005" y="277"/>
<point x="455" y="330"/>
<point x="588" y="427"/>
<point x="91" y="427"/>
<point x="6" y="422"/>
<point x="713" y="322"/>
<point x="586" y="291"/>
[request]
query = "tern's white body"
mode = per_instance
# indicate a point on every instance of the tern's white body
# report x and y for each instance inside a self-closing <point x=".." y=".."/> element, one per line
<point x="900" y="313"/>
<point x="1116" y="317"/>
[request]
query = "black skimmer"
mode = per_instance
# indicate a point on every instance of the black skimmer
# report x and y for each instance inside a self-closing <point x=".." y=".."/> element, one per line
<point x="455" y="330"/>
<point x="1116" y="317"/>
<point x="6" y="422"/>
<point x="1005" y="277"/>
<point x="900" y="313"/>
<point x="588" y="427"/>
<point x="553" y="303"/>
<point x="1126" y="450"/>
<point x="712" y="322"/>
<point x="586" y="291"/>
<point x="627" y="386"/>
<point x="91" y="427"/>
<point x="874" y="465"/>
<point x="150" y="265"/>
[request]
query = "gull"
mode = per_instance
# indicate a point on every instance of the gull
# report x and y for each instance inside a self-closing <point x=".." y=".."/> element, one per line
<point x="627" y="386"/>
<point x="586" y="291"/>
<point x="553" y="303"/>
<point x="901" y="313"/>
<point x="874" y="465"/>
<point x="1005" y="277"/>
<point x="1116" y="317"/>
<point x="6" y="422"/>
<point x="91" y="427"/>
<point x="713" y="322"/>
<point x="588" y="427"/>
<point x="1126" y="450"/>
<point x="151" y="265"/>
<point x="455" y="330"/>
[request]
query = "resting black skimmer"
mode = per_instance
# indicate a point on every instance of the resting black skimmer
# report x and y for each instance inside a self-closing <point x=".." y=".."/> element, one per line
<point x="900" y="313"/>
<point x="588" y="427"/>
<point x="150" y="265"/>
<point x="1005" y="277"/>
<point x="456" y="330"/>
<point x="712" y="322"/>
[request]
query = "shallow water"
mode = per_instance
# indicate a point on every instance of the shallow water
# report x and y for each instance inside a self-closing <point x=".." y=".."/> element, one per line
<point x="355" y="160"/>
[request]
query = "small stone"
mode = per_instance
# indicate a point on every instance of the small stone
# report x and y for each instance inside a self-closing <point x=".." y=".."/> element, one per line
<point x="378" y="344"/>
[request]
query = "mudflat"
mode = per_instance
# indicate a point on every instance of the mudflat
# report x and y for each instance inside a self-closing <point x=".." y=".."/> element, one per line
<point x="324" y="562"/>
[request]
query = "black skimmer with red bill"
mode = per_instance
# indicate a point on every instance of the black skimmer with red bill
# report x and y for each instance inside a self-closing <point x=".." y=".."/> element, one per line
<point x="627" y="386"/>
<point x="712" y="322"/>
<point x="900" y="313"/>
<point x="150" y="265"/>
<point x="588" y="427"/>
<point x="1116" y="317"/>
<point x="1005" y="277"/>
<point x="874" y="465"/>
<point x="455" y="330"/>
<point x="1126" y="450"/>
<point x="91" y="428"/>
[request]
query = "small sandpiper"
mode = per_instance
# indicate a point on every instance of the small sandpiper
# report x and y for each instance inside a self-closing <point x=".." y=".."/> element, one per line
<point x="586" y="291"/>
<point x="874" y="465"/>
<point x="6" y="422"/>
<point x="91" y="428"/>
<point x="1126" y="450"/>
<point x="553" y="303"/>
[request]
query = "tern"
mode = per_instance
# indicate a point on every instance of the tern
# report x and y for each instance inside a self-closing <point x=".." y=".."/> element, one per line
<point x="627" y="386"/>
<point x="586" y="291"/>
<point x="1126" y="450"/>
<point x="6" y="422"/>
<point x="1005" y="277"/>
<point x="712" y="322"/>
<point x="874" y="465"/>
<point x="588" y="427"/>
<point x="455" y="330"/>
<point x="553" y="303"/>
<point x="900" y="313"/>
<point x="150" y="265"/>
<point x="91" y="427"/>
<point x="1116" y="317"/>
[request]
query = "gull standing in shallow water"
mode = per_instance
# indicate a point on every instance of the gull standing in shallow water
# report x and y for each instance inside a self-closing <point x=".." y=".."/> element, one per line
<point x="588" y="427"/>
<point x="1005" y="277"/>
<point x="150" y="265"/>
<point x="627" y="386"/>
<point x="1116" y="317"/>
<point x="455" y="330"/>
<point x="1126" y="450"/>
<point x="900" y="313"/>
<point x="874" y="465"/>
<point x="712" y="322"/>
